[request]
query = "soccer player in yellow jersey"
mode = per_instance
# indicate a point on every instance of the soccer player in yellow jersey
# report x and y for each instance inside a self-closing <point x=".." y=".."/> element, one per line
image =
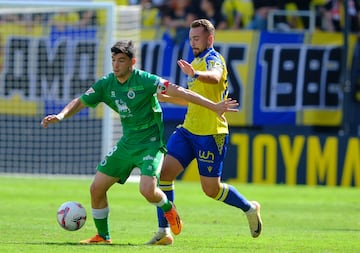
<point x="203" y="135"/>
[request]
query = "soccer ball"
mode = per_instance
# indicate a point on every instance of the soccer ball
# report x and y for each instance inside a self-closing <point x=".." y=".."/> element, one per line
<point x="71" y="215"/>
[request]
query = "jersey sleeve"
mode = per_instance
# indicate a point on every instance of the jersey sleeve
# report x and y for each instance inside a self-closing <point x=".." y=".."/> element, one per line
<point x="93" y="96"/>
<point x="214" y="62"/>
<point x="152" y="83"/>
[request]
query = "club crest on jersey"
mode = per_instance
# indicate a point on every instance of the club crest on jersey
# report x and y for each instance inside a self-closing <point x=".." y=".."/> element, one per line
<point x="131" y="94"/>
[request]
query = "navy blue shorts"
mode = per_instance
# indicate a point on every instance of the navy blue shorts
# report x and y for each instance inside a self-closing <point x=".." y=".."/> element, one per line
<point x="208" y="150"/>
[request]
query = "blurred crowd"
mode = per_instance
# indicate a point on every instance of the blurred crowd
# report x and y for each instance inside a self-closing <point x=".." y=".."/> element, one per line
<point x="176" y="15"/>
<point x="250" y="14"/>
<point x="60" y="19"/>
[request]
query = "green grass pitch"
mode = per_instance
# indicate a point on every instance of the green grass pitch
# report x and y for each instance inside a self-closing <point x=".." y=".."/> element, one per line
<point x="296" y="218"/>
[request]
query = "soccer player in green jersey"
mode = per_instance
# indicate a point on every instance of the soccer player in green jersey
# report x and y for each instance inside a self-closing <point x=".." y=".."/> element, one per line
<point x="133" y="94"/>
<point x="207" y="75"/>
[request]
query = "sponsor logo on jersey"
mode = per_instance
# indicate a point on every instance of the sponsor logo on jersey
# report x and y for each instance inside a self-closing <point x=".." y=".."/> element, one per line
<point x="90" y="91"/>
<point x="123" y="109"/>
<point x="148" y="158"/>
<point x="206" y="156"/>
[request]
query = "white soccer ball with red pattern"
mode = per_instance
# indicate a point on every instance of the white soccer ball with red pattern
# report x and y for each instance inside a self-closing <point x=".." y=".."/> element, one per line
<point x="71" y="215"/>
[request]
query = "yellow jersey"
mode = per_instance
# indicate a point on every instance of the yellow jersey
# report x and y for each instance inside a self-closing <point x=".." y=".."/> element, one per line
<point x="200" y="120"/>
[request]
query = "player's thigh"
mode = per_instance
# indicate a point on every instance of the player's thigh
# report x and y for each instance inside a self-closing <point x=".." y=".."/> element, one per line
<point x="149" y="160"/>
<point x="102" y="182"/>
<point x="170" y="169"/>
<point x="180" y="148"/>
<point x="118" y="163"/>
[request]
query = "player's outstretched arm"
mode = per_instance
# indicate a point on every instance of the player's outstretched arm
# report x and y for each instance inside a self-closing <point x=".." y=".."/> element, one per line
<point x="173" y="100"/>
<point x="228" y="105"/>
<point x="70" y="109"/>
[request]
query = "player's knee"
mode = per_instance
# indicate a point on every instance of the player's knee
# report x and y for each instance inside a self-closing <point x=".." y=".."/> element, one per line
<point x="92" y="189"/>
<point x="211" y="192"/>
<point x="98" y="197"/>
<point x="147" y="193"/>
<point x="210" y="188"/>
<point x="144" y="193"/>
<point x="168" y="174"/>
<point x="171" y="169"/>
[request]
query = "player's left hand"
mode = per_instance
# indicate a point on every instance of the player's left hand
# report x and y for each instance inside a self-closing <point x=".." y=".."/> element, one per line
<point x="228" y="105"/>
<point x="53" y="118"/>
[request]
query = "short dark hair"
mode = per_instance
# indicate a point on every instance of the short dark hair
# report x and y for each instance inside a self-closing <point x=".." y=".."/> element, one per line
<point x="124" y="47"/>
<point x="206" y="24"/>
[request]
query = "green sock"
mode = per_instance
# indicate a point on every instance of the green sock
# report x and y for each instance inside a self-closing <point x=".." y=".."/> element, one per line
<point x="102" y="228"/>
<point x="166" y="206"/>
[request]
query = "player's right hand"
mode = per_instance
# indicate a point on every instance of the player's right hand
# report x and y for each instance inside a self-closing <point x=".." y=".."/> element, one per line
<point x="228" y="105"/>
<point x="186" y="67"/>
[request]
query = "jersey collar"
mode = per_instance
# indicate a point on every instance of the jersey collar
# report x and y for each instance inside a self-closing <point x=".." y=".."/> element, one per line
<point x="127" y="80"/>
<point x="205" y="52"/>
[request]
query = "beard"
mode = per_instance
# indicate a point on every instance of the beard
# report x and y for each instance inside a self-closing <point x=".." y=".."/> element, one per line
<point x="196" y="52"/>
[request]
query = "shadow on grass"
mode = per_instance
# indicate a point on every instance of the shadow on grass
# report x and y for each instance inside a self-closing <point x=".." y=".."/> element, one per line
<point x="342" y="229"/>
<point x="78" y="244"/>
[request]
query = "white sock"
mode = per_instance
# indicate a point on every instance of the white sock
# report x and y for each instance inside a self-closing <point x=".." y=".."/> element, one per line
<point x="161" y="202"/>
<point x="100" y="213"/>
<point x="164" y="230"/>
<point x="252" y="209"/>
